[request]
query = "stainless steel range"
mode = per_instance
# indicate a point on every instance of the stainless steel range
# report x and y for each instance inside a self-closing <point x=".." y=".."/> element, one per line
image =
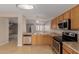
<point x="66" y="37"/>
<point x="69" y="37"/>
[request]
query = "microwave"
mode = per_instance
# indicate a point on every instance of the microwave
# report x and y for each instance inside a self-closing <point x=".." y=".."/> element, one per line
<point x="65" y="24"/>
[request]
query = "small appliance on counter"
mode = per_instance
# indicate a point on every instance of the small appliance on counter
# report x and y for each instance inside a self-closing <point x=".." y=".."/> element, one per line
<point x="69" y="37"/>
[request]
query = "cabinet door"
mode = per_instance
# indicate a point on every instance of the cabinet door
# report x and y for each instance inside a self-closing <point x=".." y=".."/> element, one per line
<point x="44" y="40"/>
<point x="40" y="39"/>
<point x="66" y="49"/>
<point x="54" y="24"/>
<point x="65" y="52"/>
<point x="34" y="39"/>
<point x="60" y="18"/>
<point x="47" y="39"/>
<point x="69" y="50"/>
<point x="75" y="18"/>
<point x="67" y="15"/>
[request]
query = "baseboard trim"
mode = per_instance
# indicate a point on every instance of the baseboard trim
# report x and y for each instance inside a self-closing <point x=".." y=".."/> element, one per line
<point x="4" y="42"/>
<point x="19" y="44"/>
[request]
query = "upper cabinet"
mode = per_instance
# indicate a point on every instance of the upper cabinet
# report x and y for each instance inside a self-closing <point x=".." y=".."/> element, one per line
<point x="67" y="15"/>
<point x="54" y="24"/>
<point x="72" y="14"/>
<point x="75" y="18"/>
<point x="60" y="18"/>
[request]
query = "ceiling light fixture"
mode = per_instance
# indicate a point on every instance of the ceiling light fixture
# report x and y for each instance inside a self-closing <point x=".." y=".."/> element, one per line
<point x="25" y="6"/>
<point x="37" y="21"/>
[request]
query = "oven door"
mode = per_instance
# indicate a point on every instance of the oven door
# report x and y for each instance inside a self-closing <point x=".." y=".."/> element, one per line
<point x="56" y="46"/>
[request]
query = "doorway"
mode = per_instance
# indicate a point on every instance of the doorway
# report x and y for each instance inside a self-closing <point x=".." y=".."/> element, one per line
<point x="13" y="30"/>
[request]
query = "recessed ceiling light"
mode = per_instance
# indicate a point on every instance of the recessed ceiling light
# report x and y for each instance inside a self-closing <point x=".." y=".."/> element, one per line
<point x="25" y="6"/>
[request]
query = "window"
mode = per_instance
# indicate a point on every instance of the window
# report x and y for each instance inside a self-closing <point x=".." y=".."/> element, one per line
<point x="37" y="28"/>
<point x="40" y="27"/>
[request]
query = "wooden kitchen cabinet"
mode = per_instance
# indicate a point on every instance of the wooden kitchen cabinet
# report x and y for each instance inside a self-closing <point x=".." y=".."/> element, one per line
<point x="65" y="51"/>
<point x="37" y="39"/>
<point x="67" y="15"/>
<point x="68" y="50"/>
<point x="72" y="14"/>
<point x="47" y="39"/>
<point x="34" y="41"/>
<point x="54" y="23"/>
<point x="60" y="18"/>
<point x="41" y="39"/>
<point x="75" y="18"/>
<point x="52" y="43"/>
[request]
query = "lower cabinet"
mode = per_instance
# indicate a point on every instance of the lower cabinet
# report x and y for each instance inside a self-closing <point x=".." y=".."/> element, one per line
<point x="41" y="39"/>
<point x="65" y="51"/>
<point x="68" y="50"/>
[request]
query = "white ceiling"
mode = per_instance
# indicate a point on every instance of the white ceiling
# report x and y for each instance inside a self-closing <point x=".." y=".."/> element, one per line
<point x="40" y="11"/>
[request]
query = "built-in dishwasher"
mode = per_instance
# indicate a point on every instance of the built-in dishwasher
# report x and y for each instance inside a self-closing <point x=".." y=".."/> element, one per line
<point x="27" y="39"/>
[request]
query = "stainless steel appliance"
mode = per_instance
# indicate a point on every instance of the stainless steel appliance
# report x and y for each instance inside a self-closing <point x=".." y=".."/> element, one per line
<point x="65" y="24"/>
<point x="66" y="37"/>
<point x="57" y="44"/>
<point x="69" y="37"/>
<point x="27" y="39"/>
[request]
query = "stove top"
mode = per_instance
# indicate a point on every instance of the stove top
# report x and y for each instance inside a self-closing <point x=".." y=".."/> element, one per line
<point x="58" y="38"/>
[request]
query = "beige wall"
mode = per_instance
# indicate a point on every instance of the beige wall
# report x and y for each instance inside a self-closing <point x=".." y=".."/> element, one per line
<point x="4" y="30"/>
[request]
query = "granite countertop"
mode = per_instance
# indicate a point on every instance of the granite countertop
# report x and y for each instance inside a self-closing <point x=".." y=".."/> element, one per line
<point x="37" y="33"/>
<point x="73" y="45"/>
<point x="42" y="33"/>
<point x="55" y="34"/>
<point x="27" y="33"/>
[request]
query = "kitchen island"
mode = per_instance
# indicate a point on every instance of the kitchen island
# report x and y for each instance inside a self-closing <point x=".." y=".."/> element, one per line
<point x="41" y="39"/>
